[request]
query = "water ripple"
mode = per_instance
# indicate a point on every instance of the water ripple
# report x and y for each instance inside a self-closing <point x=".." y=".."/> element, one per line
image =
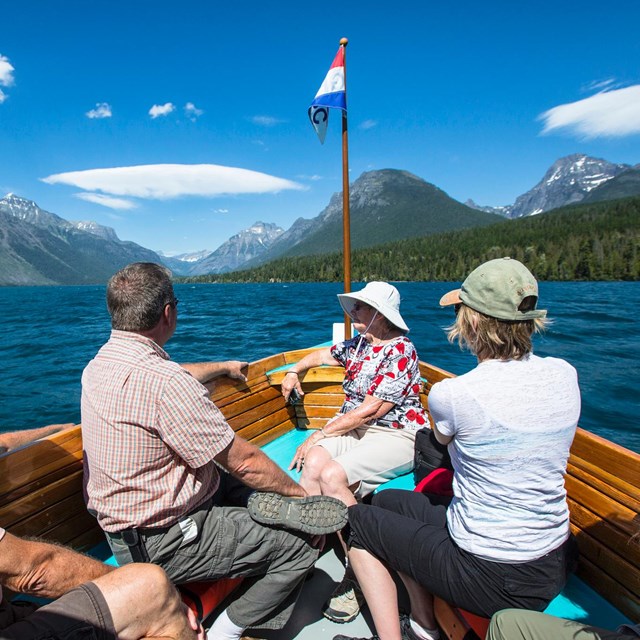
<point x="50" y="333"/>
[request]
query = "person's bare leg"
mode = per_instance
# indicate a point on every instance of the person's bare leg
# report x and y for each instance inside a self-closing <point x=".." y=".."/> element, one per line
<point x="316" y="458"/>
<point x="334" y="483"/>
<point x="380" y="592"/>
<point x="421" y="603"/>
<point x="144" y="604"/>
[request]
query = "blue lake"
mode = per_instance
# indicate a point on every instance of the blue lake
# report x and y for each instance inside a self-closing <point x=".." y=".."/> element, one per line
<point x="48" y="334"/>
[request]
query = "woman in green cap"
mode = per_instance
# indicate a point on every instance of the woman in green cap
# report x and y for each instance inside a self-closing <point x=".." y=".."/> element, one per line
<point x="503" y="540"/>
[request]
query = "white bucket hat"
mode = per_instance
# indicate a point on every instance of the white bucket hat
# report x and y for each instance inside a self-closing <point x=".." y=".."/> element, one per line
<point x="382" y="296"/>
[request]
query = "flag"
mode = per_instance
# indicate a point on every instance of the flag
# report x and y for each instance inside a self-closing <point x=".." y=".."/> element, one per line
<point x="331" y="95"/>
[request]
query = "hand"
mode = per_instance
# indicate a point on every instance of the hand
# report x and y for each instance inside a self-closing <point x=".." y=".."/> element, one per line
<point x="291" y="381"/>
<point x="301" y="451"/>
<point x="234" y="368"/>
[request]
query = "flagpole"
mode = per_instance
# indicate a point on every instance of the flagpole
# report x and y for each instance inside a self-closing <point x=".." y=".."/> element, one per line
<point x="346" y="221"/>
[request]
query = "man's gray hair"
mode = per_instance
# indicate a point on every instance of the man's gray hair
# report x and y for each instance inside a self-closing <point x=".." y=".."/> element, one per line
<point x="137" y="296"/>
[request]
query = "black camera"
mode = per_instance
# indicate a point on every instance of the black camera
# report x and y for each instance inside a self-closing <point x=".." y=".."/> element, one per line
<point x="294" y="397"/>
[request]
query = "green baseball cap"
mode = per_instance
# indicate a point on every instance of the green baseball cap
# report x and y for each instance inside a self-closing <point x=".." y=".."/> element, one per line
<point x="497" y="289"/>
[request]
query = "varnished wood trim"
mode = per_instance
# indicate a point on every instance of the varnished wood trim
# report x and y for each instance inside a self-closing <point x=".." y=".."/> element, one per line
<point x="621" y="598"/>
<point x="450" y="621"/>
<point x="617" y="538"/>
<point x="315" y="374"/>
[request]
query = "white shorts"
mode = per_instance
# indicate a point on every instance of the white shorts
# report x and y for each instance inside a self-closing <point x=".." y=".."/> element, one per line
<point x="372" y="455"/>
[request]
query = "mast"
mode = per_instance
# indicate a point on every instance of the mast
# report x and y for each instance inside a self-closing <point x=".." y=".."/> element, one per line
<point x="346" y="220"/>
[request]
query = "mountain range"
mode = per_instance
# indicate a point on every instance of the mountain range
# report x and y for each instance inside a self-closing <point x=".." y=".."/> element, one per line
<point x="569" y="180"/>
<point x="38" y="247"/>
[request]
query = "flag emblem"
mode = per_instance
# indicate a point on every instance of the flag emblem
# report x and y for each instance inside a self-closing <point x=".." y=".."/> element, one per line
<point x="331" y="95"/>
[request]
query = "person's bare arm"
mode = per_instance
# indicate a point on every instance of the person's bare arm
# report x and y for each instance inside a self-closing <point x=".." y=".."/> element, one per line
<point x="44" y="570"/>
<point x="371" y="409"/>
<point x="205" y="371"/>
<point x="440" y="437"/>
<point x="15" y="439"/>
<point x="314" y="359"/>
<point x="252" y="466"/>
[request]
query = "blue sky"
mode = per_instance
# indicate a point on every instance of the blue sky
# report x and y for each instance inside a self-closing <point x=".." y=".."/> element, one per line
<point x="185" y="100"/>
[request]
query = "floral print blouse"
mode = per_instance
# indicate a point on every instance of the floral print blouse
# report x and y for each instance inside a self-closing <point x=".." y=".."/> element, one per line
<point x="389" y="372"/>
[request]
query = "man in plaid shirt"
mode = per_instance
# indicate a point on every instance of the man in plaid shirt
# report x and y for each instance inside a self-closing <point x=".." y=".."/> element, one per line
<point x="154" y="444"/>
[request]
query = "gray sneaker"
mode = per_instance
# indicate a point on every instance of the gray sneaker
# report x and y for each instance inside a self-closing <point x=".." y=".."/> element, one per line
<point x="315" y="515"/>
<point x="345" y="601"/>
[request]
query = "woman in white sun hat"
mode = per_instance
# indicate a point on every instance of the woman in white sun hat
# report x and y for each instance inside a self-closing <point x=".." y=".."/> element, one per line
<point x="371" y="440"/>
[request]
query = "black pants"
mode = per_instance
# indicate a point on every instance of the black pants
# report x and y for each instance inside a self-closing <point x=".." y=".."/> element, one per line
<point x="408" y="531"/>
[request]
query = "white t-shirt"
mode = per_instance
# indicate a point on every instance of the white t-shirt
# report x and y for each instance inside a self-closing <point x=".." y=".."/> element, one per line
<point x="512" y="424"/>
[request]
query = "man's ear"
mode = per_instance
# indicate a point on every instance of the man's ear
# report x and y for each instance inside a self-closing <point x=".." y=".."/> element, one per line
<point x="167" y="314"/>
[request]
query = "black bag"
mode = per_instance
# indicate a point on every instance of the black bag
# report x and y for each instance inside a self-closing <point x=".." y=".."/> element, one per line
<point x="429" y="455"/>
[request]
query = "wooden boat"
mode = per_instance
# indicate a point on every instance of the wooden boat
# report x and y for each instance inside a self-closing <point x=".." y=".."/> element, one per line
<point x="41" y="484"/>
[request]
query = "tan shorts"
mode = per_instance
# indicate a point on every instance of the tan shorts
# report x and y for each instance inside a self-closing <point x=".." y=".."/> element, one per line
<point x="372" y="455"/>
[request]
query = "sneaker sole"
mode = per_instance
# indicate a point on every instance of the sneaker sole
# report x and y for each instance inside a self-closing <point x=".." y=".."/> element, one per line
<point x="351" y="618"/>
<point x="316" y="515"/>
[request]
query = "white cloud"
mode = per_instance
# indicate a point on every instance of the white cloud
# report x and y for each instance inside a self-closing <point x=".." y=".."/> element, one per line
<point x="600" y="85"/>
<point x="266" y="121"/>
<point x="192" y="112"/>
<point x="606" y="114"/>
<point x="107" y="201"/>
<point x="6" y="76"/>
<point x="315" y="177"/>
<point x="161" y="109"/>
<point x="166" y="181"/>
<point x="221" y="211"/>
<point x="368" y="124"/>
<point x="6" y="72"/>
<point x="102" y="110"/>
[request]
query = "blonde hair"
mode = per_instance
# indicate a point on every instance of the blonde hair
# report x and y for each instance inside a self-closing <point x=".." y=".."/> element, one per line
<point x="492" y="339"/>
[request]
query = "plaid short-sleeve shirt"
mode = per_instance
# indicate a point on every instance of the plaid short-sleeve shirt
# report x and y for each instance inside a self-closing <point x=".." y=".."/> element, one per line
<point x="150" y="433"/>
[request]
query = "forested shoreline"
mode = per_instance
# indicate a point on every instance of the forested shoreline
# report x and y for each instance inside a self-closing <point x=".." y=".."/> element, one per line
<point x="599" y="241"/>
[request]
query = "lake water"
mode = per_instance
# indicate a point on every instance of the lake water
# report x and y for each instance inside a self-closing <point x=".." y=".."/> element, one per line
<point x="48" y="334"/>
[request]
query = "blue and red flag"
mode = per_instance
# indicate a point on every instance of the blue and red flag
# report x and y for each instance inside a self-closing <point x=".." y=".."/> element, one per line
<point x="331" y="95"/>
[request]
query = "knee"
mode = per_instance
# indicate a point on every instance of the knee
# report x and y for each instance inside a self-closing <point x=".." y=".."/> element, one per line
<point x="332" y="475"/>
<point x="499" y="622"/>
<point x="314" y="462"/>
<point x="148" y="585"/>
<point x="296" y="553"/>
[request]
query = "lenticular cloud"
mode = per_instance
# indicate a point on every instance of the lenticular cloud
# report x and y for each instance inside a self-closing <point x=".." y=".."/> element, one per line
<point x="606" y="114"/>
<point x="167" y="181"/>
